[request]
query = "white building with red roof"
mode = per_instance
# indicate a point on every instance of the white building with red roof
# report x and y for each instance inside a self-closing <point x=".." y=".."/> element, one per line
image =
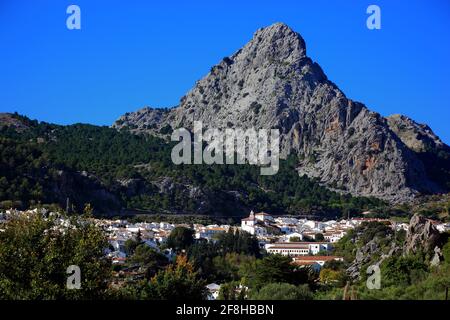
<point x="255" y="223"/>
<point x="248" y="224"/>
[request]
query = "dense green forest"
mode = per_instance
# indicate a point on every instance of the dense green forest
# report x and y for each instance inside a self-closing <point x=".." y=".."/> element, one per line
<point x="112" y="170"/>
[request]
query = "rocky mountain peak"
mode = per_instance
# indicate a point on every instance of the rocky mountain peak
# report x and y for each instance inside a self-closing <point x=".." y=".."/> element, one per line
<point x="258" y="86"/>
<point x="280" y="42"/>
<point x="270" y="83"/>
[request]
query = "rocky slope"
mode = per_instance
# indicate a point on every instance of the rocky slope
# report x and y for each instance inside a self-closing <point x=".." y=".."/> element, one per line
<point x="272" y="83"/>
<point x="418" y="137"/>
<point x="421" y="236"/>
<point x="431" y="151"/>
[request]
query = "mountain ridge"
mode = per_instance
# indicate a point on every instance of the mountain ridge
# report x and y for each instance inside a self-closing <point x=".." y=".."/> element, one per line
<point x="272" y="83"/>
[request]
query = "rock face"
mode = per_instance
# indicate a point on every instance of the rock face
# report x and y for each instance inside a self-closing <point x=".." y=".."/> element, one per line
<point x="362" y="257"/>
<point x="81" y="188"/>
<point x="421" y="235"/>
<point x="366" y="253"/>
<point x="272" y="83"/>
<point x="418" y="137"/>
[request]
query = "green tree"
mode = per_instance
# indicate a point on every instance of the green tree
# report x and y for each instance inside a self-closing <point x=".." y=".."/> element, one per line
<point x="180" y="238"/>
<point x="446" y="252"/>
<point x="319" y="237"/>
<point x="275" y="268"/>
<point x="88" y="210"/>
<point x="329" y="276"/>
<point x="232" y="291"/>
<point x="130" y="246"/>
<point x="36" y="252"/>
<point x="149" y="259"/>
<point x="238" y="242"/>
<point x="177" y="282"/>
<point x="226" y="268"/>
<point x="403" y="270"/>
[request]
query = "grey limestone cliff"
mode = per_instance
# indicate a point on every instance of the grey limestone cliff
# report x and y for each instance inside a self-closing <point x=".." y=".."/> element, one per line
<point x="272" y="83"/>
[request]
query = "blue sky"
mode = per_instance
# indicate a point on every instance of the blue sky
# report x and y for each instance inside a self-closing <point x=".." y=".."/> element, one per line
<point x="129" y="54"/>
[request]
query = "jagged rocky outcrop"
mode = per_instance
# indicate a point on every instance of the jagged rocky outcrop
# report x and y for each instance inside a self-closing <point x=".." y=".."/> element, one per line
<point x="428" y="148"/>
<point x="418" y="137"/>
<point x="272" y="83"/>
<point x="362" y="257"/>
<point x="422" y="235"/>
<point x="366" y="254"/>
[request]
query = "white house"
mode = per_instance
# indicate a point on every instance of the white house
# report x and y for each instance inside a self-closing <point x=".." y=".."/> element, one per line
<point x="286" y="221"/>
<point x="310" y="224"/>
<point x="288" y="248"/>
<point x="309" y="235"/>
<point x="334" y="235"/>
<point x="248" y="224"/>
<point x="255" y="226"/>
<point x="287" y="237"/>
<point x="264" y="217"/>
<point x="213" y="291"/>
<point x="162" y="236"/>
<point x="117" y="243"/>
<point x="317" y="247"/>
<point x="260" y="231"/>
<point x="166" y="226"/>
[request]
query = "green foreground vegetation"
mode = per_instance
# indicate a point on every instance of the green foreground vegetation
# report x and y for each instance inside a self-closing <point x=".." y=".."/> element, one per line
<point x="35" y="253"/>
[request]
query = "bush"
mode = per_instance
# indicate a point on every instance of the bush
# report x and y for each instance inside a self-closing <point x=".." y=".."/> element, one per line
<point x="283" y="291"/>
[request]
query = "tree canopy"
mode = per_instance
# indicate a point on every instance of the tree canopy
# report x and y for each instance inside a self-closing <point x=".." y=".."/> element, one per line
<point x="36" y="252"/>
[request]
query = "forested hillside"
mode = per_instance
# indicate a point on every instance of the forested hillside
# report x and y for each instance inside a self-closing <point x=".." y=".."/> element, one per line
<point x="116" y="170"/>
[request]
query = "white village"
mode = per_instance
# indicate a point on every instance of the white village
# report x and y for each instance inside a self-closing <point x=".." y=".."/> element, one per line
<point x="308" y="242"/>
